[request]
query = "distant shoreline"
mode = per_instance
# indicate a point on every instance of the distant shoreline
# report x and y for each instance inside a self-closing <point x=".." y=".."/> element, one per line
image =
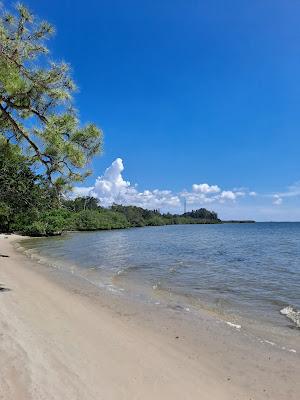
<point x="219" y="222"/>
<point x="246" y="221"/>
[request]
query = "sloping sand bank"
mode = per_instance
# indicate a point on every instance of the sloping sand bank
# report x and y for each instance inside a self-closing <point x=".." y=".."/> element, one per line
<point x="58" y="344"/>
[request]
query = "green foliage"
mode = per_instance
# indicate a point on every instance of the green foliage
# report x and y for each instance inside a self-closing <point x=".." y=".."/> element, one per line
<point x="37" y="228"/>
<point x="36" y="109"/>
<point x="89" y="220"/>
<point x="202" y="213"/>
<point x="156" y="220"/>
<point x="5" y="216"/>
<point x="43" y="223"/>
<point x="138" y="216"/>
<point x="56" y="221"/>
<point x="86" y="221"/>
<point x="81" y="203"/>
<point x="20" y="187"/>
<point x="22" y="192"/>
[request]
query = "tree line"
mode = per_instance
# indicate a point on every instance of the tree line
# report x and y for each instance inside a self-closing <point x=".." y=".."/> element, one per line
<point x="26" y="204"/>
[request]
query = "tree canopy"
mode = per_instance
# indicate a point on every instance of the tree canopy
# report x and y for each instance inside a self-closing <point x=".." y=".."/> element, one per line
<point x="23" y="193"/>
<point x="36" y="108"/>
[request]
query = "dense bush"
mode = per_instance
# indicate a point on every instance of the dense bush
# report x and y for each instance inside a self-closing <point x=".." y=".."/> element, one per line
<point x="156" y="220"/>
<point x="37" y="228"/>
<point x="89" y="220"/>
<point x="203" y="214"/>
<point x="5" y="216"/>
<point x="55" y="221"/>
<point x="51" y="222"/>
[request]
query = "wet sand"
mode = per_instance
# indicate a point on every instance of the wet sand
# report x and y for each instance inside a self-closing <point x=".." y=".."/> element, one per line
<point x="60" y="338"/>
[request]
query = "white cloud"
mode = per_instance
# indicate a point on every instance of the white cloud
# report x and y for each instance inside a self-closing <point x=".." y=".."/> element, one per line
<point x="205" y="188"/>
<point x="194" y="198"/>
<point x="148" y="199"/>
<point x="81" y="191"/>
<point x="111" y="184"/>
<point x="111" y="188"/>
<point x="228" y="195"/>
<point x="252" y="194"/>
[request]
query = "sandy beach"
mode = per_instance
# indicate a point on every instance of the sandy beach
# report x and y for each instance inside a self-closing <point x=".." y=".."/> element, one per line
<point x="59" y="342"/>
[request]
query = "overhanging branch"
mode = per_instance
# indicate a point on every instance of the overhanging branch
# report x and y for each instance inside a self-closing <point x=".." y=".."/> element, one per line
<point x="17" y="128"/>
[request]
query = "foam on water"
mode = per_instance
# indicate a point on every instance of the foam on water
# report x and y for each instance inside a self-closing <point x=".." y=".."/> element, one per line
<point x="292" y="314"/>
<point x="236" y="326"/>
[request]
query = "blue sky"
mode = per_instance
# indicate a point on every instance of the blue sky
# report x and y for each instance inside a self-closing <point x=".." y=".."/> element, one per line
<point x="190" y="92"/>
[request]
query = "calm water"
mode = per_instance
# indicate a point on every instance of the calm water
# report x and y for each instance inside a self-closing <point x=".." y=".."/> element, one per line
<point x="246" y="270"/>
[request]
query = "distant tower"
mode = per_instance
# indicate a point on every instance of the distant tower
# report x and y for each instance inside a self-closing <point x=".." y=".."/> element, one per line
<point x="184" y="205"/>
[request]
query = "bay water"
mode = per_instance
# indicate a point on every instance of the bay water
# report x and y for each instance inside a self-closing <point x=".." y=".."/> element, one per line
<point x="237" y="271"/>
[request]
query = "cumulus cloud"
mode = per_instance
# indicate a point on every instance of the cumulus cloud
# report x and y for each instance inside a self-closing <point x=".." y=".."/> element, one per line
<point x="205" y="188"/>
<point x="228" y="194"/>
<point x="240" y="193"/>
<point x="111" y="188"/>
<point x="194" y="198"/>
<point x="111" y="185"/>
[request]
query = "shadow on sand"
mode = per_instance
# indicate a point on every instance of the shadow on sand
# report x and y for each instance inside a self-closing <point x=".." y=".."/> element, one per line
<point x="4" y="289"/>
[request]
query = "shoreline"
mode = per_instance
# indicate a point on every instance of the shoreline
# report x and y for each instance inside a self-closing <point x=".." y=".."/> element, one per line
<point x="60" y="233"/>
<point x="272" y="325"/>
<point x="61" y="338"/>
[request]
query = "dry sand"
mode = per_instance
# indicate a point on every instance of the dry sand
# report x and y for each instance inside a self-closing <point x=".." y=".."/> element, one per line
<point x="57" y="344"/>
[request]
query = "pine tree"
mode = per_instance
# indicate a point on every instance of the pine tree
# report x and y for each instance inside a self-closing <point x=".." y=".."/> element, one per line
<point x="36" y="108"/>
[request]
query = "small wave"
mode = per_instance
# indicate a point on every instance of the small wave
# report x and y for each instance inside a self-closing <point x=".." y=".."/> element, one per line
<point x="236" y="326"/>
<point x="126" y="270"/>
<point x="177" y="266"/>
<point x="156" y="286"/>
<point x="111" y="288"/>
<point x="292" y="314"/>
<point x="18" y="247"/>
<point x="271" y="343"/>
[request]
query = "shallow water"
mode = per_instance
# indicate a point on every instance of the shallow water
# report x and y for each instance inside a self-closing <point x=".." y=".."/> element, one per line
<point x="239" y="270"/>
